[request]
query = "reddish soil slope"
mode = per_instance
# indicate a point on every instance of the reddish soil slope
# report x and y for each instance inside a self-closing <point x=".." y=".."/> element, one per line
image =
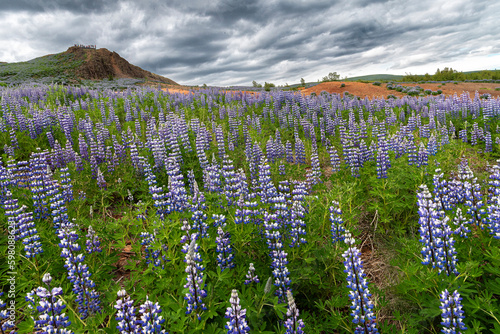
<point x="367" y="89"/>
<point x="102" y="63"/>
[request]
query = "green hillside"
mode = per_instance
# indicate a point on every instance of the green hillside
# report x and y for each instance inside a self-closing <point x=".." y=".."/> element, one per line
<point x="51" y="68"/>
<point x="376" y="77"/>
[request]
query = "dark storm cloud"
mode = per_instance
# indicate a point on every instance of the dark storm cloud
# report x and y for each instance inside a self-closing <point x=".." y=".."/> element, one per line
<point x="234" y="42"/>
<point x="76" y="6"/>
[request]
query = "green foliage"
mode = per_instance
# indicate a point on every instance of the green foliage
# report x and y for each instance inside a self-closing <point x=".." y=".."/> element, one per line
<point x="382" y="212"/>
<point x="332" y="76"/>
<point x="255" y="84"/>
<point x="268" y="86"/>
<point x="449" y="74"/>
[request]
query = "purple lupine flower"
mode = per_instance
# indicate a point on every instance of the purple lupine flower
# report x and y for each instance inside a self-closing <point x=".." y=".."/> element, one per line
<point x="474" y="202"/>
<point x="281" y="169"/>
<point x="432" y="145"/>
<point x="300" y="152"/>
<point x="49" y="307"/>
<point x="41" y="183"/>
<point x="445" y="252"/>
<point x="224" y="249"/>
<point x="125" y="315"/>
<point x="293" y="324"/>
<point x="5" y="322"/>
<point x="27" y="232"/>
<point x="383" y="163"/>
<point x="315" y="167"/>
<point x="452" y="314"/>
<point x="494" y="181"/>
<point x="50" y="138"/>
<point x="362" y="307"/>
<point x="430" y="226"/>
<point x="154" y="256"/>
<point x="488" y="142"/>
<point x="251" y="275"/>
<point x="297" y="224"/>
<point x="493" y="218"/>
<point x="200" y="150"/>
<point x="93" y="244"/>
<point x="100" y="179"/>
<point x="280" y="273"/>
<point x="289" y="152"/>
<point x="212" y="177"/>
<point x="273" y="224"/>
<point x="337" y="228"/>
<point x="178" y="193"/>
<point x="334" y="159"/>
<point x="462" y="134"/>
<point x="231" y="184"/>
<point x="423" y="156"/>
<point x="199" y="217"/>
<point x="66" y="186"/>
<point x="194" y="280"/>
<point x="441" y="192"/>
<point x="267" y="188"/>
<point x="219" y="137"/>
<point x="78" y="273"/>
<point x="150" y="320"/>
<point x="237" y="323"/>
<point x="461" y="222"/>
<point x="219" y="220"/>
<point x="366" y="154"/>
<point x="412" y="152"/>
<point x="270" y="153"/>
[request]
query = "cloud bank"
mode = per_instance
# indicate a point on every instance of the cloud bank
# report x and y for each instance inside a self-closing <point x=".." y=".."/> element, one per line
<point x="234" y="42"/>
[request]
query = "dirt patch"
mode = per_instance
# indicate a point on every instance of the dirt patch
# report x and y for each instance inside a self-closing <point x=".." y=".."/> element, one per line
<point x="120" y="273"/>
<point x="369" y="90"/>
<point x="356" y="88"/>
<point x="460" y="87"/>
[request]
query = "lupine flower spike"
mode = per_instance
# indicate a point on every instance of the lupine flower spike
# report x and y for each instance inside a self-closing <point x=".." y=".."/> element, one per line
<point x="452" y="314"/>
<point x="5" y="322"/>
<point x="251" y="275"/>
<point x="194" y="280"/>
<point x="362" y="307"/>
<point x="237" y="323"/>
<point x="51" y="318"/>
<point x="293" y="324"/>
<point x="127" y="321"/>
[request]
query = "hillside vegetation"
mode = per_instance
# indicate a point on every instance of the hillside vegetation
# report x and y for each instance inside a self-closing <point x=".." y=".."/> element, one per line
<point x="75" y="66"/>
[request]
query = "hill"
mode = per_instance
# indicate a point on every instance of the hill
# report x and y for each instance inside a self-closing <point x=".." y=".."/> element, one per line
<point x="77" y="64"/>
<point x="376" y="77"/>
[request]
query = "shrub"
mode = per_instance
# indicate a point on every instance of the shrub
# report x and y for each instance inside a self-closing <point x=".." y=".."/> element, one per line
<point x="342" y="85"/>
<point x="376" y="83"/>
<point x="390" y="96"/>
<point x="428" y="91"/>
<point x="439" y="91"/>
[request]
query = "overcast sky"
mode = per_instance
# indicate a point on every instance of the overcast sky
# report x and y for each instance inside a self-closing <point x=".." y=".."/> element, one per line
<point x="228" y="42"/>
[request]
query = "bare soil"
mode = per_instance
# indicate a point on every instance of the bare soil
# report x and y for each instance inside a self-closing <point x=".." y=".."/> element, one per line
<point x="101" y="64"/>
<point x="371" y="91"/>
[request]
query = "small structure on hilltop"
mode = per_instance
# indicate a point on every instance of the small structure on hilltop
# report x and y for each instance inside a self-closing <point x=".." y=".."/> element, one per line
<point x="82" y="46"/>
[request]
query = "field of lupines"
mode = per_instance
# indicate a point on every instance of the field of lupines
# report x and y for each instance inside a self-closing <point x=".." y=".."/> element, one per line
<point x="142" y="211"/>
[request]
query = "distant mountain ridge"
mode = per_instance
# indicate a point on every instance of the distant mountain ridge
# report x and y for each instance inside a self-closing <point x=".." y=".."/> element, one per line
<point x="76" y="64"/>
